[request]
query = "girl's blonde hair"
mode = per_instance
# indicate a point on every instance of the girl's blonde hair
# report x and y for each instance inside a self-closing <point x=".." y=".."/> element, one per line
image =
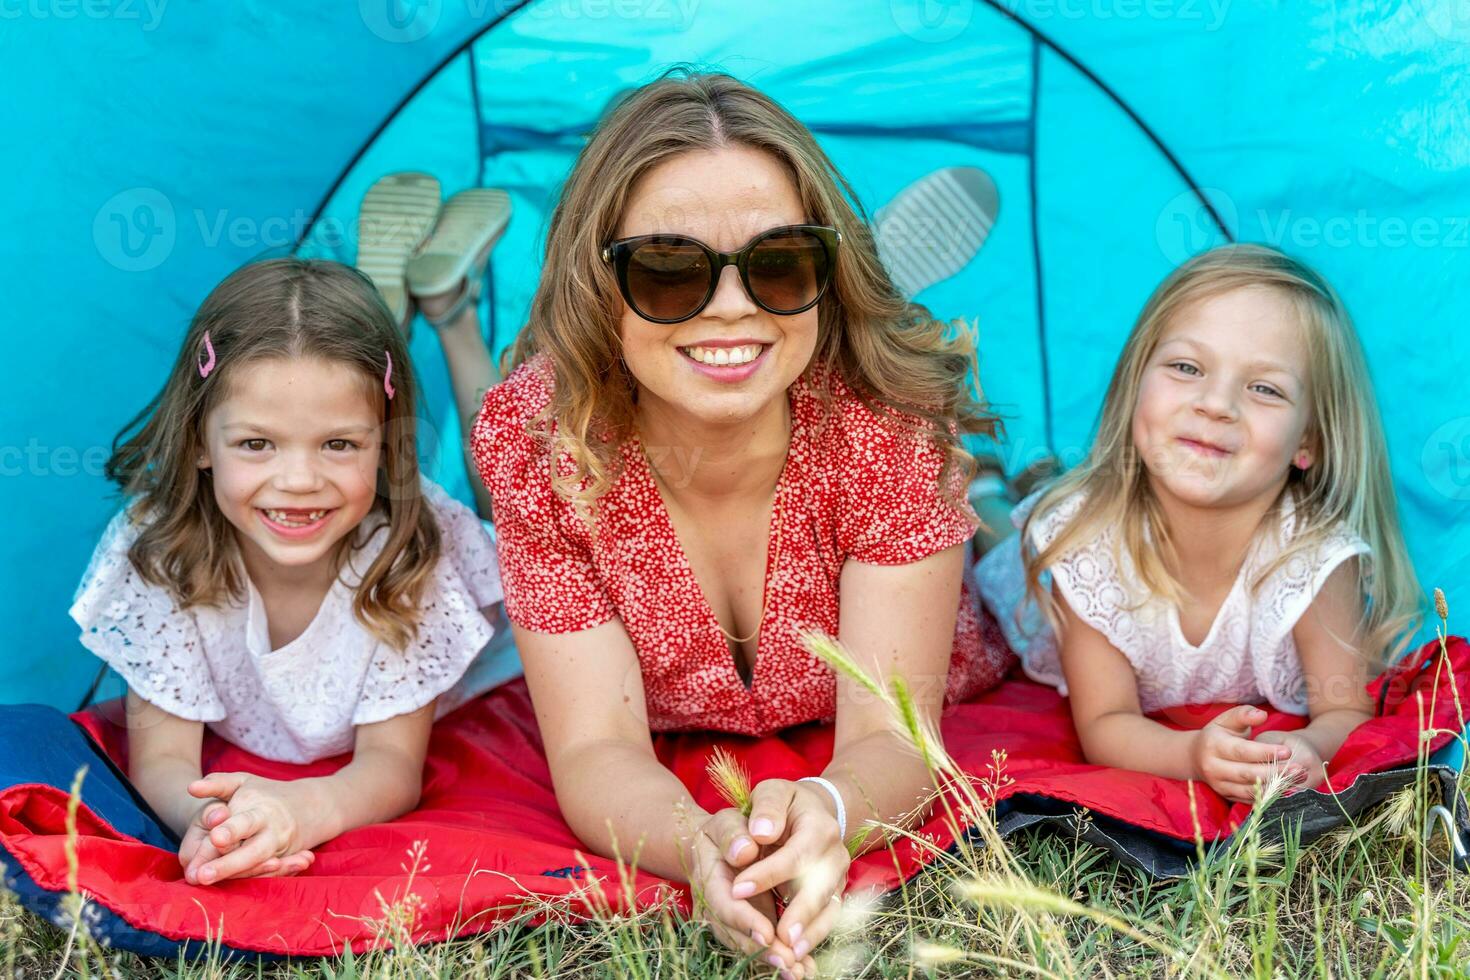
<point x="278" y="308"/>
<point x="901" y="363"/>
<point x="1349" y="481"/>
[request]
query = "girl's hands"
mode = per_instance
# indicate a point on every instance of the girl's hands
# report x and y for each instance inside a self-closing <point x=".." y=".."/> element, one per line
<point x="722" y="845"/>
<point x="811" y="856"/>
<point x="1305" y="763"/>
<point x="196" y="836"/>
<point x="1228" y="759"/>
<point x="248" y="828"/>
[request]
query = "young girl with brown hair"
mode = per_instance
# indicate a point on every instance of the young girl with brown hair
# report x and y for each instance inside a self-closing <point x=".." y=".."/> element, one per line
<point x="282" y="574"/>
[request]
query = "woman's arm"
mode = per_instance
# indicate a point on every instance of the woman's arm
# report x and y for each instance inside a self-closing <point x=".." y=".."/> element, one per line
<point x="617" y="797"/>
<point x="895" y="620"/>
<point x="587" y="690"/>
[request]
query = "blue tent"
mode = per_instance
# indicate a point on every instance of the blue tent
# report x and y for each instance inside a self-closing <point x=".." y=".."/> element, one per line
<point x="152" y="147"/>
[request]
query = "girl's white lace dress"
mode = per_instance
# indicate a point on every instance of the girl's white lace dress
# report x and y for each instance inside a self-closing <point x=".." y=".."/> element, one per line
<point x="1249" y="654"/>
<point x="301" y="701"/>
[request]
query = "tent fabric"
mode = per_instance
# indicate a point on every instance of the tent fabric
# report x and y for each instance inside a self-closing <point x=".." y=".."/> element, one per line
<point x="154" y="147"/>
<point x="494" y="842"/>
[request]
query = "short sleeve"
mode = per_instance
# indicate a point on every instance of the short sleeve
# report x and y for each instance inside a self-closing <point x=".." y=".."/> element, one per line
<point x="139" y="630"/>
<point x="551" y="582"/>
<point x="893" y="511"/>
<point x="468" y="545"/>
<point x="452" y="628"/>
<point x="1292" y="588"/>
<point x="1091" y="576"/>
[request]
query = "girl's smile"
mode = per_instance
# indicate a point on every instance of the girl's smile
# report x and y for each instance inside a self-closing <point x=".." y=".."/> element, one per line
<point x="295" y="523"/>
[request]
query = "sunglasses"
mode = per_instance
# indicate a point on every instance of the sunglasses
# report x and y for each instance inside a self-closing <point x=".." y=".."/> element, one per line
<point x="670" y="278"/>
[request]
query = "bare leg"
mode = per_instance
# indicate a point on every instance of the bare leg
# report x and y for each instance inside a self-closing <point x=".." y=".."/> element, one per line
<point x="995" y="512"/>
<point x="990" y="496"/>
<point x="472" y="372"/>
<point x="994" y="502"/>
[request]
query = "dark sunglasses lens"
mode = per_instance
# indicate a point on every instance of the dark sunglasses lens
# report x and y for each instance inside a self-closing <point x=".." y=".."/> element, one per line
<point x="788" y="270"/>
<point x="667" y="280"/>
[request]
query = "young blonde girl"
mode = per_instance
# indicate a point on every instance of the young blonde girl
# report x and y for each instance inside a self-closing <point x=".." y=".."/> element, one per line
<point x="282" y="574"/>
<point x="1231" y="537"/>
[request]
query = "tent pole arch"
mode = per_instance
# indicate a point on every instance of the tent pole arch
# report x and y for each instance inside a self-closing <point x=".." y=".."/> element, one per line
<point x="995" y="5"/>
<point x="1117" y="100"/>
<point x="408" y="97"/>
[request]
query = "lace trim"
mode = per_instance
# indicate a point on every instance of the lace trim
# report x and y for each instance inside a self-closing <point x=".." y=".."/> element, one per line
<point x="299" y="702"/>
<point x="1249" y="652"/>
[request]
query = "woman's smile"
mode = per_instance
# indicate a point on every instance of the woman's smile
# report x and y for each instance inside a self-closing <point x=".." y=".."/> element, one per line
<point x="729" y="362"/>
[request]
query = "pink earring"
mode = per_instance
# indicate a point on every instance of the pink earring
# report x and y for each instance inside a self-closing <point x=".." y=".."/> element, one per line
<point x="1302" y="461"/>
<point x="206" y="364"/>
<point x="387" y="376"/>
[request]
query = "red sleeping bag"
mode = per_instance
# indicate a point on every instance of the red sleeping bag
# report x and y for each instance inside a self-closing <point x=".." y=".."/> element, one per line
<point x="492" y="833"/>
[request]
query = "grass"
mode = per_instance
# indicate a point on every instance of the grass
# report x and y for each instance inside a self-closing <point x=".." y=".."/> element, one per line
<point x="1370" y="899"/>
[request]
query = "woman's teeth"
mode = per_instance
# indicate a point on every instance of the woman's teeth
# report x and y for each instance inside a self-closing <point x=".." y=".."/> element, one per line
<point x="296" y="520"/>
<point x="723" y="356"/>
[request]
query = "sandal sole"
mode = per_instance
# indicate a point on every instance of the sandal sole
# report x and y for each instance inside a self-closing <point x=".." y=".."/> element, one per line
<point x="396" y="217"/>
<point x="470" y="223"/>
<point x="933" y="227"/>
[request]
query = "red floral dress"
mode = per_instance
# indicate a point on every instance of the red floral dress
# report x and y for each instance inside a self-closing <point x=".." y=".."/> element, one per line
<point x="851" y="489"/>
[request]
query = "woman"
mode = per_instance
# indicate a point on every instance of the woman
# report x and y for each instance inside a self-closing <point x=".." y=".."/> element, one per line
<point x="723" y="424"/>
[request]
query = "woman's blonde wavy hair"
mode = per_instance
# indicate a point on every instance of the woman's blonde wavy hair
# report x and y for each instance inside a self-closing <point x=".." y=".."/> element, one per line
<point x="276" y="308"/>
<point x="1348" y="482"/>
<point x="910" y="369"/>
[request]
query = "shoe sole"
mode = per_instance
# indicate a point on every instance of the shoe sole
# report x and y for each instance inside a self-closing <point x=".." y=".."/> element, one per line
<point x="935" y="226"/>
<point x="395" y="219"/>
<point x="470" y="224"/>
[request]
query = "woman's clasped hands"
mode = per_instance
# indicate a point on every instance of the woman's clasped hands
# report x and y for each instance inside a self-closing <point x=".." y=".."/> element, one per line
<point x="771" y="884"/>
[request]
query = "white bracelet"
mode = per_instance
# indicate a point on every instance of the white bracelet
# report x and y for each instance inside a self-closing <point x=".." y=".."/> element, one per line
<point x="836" y="798"/>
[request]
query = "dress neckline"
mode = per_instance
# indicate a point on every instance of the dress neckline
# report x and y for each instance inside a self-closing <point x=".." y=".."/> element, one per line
<point x="1248" y="563"/>
<point x="257" y="622"/>
<point x="680" y="556"/>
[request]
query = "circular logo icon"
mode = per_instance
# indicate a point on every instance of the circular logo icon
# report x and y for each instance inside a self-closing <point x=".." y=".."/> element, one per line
<point x="1185" y="226"/>
<point x="402" y="904"/>
<point x="1446" y="458"/>
<point x="933" y="21"/>
<point x="1450" y="19"/>
<point x="400" y="21"/>
<point x="135" y="230"/>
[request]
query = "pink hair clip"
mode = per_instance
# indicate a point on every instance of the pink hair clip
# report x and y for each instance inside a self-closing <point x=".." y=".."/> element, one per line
<point x="388" y="375"/>
<point x="206" y="364"/>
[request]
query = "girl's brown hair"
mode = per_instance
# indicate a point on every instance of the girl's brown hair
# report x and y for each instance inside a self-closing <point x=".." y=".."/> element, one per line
<point x="912" y="370"/>
<point x="1348" y="483"/>
<point x="276" y="308"/>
